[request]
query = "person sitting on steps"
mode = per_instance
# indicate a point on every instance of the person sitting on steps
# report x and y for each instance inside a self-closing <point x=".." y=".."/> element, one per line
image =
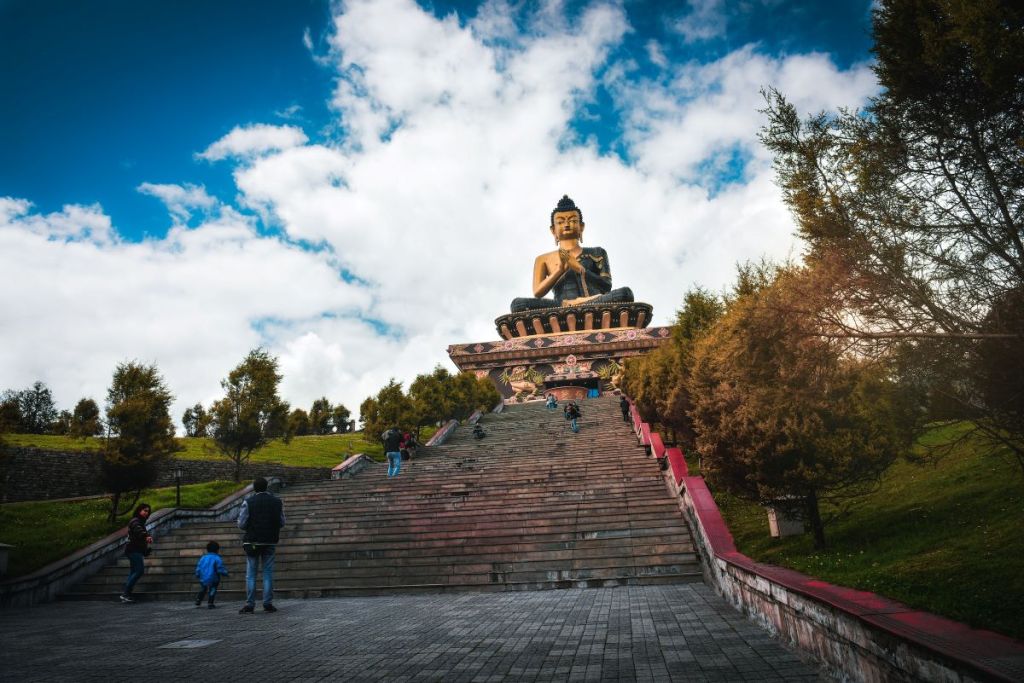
<point x="478" y="431"/>
<point x="552" y="402"/>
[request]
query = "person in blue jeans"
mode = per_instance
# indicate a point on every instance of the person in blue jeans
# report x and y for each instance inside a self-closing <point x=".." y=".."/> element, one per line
<point x="572" y="413"/>
<point x="209" y="569"/>
<point x="552" y="402"/>
<point x="392" y="439"/>
<point x="261" y="517"/>
<point x="136" y="549"/>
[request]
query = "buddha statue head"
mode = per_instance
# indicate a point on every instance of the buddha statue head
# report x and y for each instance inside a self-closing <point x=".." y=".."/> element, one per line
<point x="567" y="220"/>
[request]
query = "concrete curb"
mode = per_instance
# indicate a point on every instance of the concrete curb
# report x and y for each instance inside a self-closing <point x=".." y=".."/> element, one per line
<point x="352" y="466"/>
<point x="442" y="434"/>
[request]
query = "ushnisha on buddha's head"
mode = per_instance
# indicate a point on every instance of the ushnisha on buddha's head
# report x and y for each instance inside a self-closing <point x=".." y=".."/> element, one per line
<point x="567" y="220"/>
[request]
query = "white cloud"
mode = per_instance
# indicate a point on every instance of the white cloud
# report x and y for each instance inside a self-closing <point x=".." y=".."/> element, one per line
<point x="180" y="200"/>
<point x="254" y="140"/>
<point x="72" y="223"/>
<point x="656" y="54"/>
<point x="424" y="219"/>
<point x="192" y="302"/>
<point x="289" y="113"/>
<point x="705" y="20"/>
<point x="703" y="109"/>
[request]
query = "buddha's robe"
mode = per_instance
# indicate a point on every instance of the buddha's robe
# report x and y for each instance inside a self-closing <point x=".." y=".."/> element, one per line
<point x="596" y="279"/>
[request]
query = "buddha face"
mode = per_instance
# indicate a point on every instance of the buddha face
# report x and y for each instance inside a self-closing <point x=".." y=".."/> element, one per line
<point x="566" y="225"/>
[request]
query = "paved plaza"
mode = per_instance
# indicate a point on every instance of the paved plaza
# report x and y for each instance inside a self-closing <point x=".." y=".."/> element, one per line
<point x="647" y="633"/>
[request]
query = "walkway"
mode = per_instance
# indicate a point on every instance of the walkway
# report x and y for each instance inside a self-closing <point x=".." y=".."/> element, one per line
<point x="677" y="632"/>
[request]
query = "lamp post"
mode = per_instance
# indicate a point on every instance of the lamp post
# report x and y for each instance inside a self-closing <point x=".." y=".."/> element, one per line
<point x="178" y="473"/>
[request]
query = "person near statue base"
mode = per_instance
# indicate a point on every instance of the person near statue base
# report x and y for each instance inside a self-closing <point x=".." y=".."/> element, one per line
<point x="261" y="517"/>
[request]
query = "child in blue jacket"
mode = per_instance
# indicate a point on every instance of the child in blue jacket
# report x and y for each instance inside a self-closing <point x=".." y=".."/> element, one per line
<point x="209" y="569"/>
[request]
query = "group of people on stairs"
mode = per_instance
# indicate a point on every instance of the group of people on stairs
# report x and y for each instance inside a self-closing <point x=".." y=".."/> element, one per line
<point x="571" y="412"/>
<point x="260" y="517"/>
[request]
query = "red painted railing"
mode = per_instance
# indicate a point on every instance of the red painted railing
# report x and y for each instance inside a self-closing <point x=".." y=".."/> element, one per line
<point x="677" y="464"/>
<point x="985" y="651"/>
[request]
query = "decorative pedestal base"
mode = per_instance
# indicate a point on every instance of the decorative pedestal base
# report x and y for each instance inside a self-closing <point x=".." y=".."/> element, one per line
<point x="525" y="368"/>
<point x="568" y="393"/>
<point x="582" y="318"/>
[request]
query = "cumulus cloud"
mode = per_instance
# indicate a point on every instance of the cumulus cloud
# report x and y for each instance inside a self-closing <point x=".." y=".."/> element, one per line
<point x="678" y="124"/>
<point x="251" y="141"/>
<point x="73" y="223"/>
<point x="180" y="200"/>
<point x="416" y="228"/>
<point x="193" y="302"/>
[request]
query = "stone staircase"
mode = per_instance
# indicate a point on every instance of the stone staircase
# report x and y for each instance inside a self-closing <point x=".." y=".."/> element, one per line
<point x="531" y="506"/>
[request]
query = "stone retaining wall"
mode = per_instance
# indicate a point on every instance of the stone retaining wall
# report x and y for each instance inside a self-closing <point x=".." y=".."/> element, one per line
<point x="36" y="474"/>
<point x="857" y="635"/>
<point x="52" y="580"/>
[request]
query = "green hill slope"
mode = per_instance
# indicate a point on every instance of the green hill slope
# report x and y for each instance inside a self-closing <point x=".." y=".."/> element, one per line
<point x="943" y="536"/>
<point x="301" y="451"/>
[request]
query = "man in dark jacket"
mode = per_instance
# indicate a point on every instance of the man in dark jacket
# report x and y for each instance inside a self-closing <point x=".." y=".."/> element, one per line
<point x="261" y="517"/>
<point x="624" y="407"/>
<point x="393" y="448"/>
<point x="572" y="413"/>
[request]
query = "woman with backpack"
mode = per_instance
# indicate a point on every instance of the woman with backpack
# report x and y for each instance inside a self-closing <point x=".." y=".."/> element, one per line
<point x="572" y="414"/>
<point x="137" y="549"/>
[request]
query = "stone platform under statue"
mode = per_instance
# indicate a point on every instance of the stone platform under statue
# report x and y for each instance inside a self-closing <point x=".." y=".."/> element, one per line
<point x="527" y="368"/>
<point x="578" y="318"/>
<point x="573" y="343"/>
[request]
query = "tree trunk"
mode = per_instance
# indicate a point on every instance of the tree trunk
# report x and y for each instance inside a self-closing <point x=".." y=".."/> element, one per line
<point x="814" y="518"/>
<point x="112" y="517"/>
<point x="238" y="467"/>
<point x="116" y="501"/>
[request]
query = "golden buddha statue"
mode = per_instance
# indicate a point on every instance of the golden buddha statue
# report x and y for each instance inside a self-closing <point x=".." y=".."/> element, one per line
<point x="573" y="273"/>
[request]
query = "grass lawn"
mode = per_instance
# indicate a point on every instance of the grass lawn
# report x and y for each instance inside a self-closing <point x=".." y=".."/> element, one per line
<point x="45" y="531"/>
<point x="302" y="451"/>
<point x="945" y="537"/>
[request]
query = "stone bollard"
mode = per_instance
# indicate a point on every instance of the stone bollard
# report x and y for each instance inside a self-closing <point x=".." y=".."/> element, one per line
<point x="781" y="523"/>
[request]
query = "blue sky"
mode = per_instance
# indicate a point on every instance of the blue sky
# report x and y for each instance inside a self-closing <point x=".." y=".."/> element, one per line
<point x="113" y="94"/>
<point x="357" y="185"/>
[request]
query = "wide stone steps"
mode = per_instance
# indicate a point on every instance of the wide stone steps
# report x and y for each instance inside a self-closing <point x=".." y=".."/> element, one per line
<point x="559" y="532"/>
<point x="628" y="556"/>
<point x="513" y="544"/>
<point x="531" y="506"/>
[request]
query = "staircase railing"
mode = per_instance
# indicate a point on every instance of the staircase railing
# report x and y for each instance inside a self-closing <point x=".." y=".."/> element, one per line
<point x="863" y="635"/>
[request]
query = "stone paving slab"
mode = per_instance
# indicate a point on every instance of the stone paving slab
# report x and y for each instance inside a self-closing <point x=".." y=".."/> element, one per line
<point x="637" y="633"/>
